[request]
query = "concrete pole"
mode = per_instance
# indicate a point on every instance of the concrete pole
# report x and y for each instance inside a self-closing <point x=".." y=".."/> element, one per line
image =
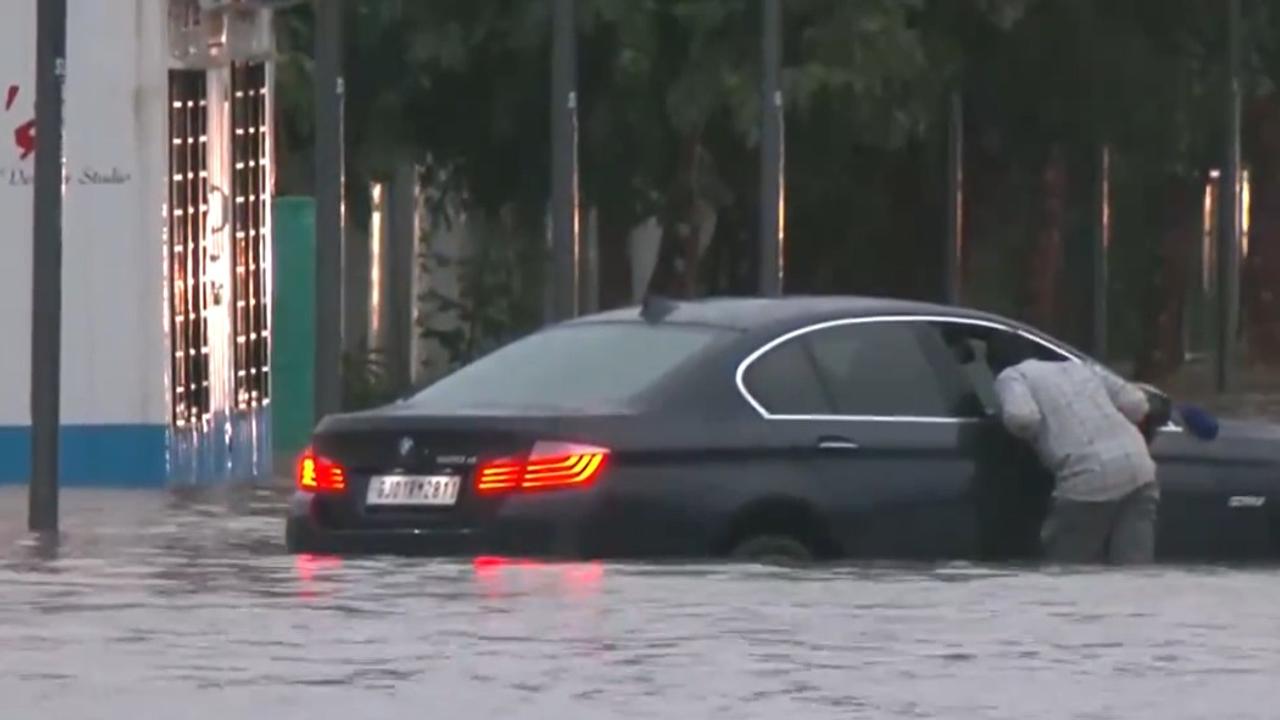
<point x="397" y="273"/>
<point x="772" y="158"/>
<point x="330" y="217"/>
<point x="46" y="265"/>
<point x="589" y="274"/>
<point x="1229" y="217"/>
<point x="564" y="161"/>
<point x="953" y="253"/>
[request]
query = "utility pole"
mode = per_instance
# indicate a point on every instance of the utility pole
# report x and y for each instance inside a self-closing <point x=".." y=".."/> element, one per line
<point x="1229" y="214"/>
<point x="564" y="161"/>
<point x="330" y="221"/>
<point x="772" y="154"/>
<point x="46" y="265"/>
<point x="953" y="253"/>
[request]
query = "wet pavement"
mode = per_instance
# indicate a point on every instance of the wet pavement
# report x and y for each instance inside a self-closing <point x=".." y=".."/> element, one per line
<point x="157" y="609"/>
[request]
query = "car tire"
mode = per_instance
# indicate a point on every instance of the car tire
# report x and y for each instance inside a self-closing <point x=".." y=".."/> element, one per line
<point x="773" y="550"/>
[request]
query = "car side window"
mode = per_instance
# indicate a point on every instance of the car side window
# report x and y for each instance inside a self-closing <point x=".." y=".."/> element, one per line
<point x="880" y="369"/>
<point x="783" y="380"/>
<point x="968" y="345"/>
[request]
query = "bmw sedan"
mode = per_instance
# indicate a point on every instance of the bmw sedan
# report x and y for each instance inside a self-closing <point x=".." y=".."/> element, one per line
<point x="798" y="428"/>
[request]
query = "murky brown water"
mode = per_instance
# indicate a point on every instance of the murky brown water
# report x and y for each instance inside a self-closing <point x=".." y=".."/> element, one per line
<point x="151" y="610"/>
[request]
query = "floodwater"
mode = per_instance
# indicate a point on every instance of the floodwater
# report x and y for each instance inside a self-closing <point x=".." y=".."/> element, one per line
<point x="154" y="609"/>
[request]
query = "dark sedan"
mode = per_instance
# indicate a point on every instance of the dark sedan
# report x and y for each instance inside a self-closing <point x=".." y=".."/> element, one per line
<point x="794" y="428"/>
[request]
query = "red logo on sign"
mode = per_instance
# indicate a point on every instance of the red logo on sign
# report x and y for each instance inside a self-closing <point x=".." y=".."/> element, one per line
<point x="24" y="135"/>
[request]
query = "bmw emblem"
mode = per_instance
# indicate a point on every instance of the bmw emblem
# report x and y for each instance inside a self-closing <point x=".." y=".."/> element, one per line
<point x="406" y="446"/>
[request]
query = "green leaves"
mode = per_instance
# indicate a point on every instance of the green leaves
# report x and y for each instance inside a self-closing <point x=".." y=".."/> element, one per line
<point x="670" y="90"/>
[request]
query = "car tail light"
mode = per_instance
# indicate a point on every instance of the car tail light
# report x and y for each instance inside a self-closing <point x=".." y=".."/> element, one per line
<point x="549" y="465"/>
<point x="320" y="474"/>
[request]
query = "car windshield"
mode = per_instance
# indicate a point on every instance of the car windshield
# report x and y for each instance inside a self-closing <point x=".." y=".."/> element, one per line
<point x="580" y="366"/>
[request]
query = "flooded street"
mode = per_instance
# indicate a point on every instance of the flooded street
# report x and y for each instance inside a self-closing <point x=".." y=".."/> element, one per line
<point x="153" y="609"/>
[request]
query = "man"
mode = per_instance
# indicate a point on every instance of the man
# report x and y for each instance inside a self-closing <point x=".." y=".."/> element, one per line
<point x="1084" y="424"/>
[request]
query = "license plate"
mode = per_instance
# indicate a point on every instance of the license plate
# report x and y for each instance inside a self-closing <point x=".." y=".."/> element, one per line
<point x="413" y="490"/>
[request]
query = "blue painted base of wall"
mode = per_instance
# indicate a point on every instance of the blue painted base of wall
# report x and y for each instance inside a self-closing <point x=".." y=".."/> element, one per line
<point x="229" y="448"/>
<point x="92" y="455"/>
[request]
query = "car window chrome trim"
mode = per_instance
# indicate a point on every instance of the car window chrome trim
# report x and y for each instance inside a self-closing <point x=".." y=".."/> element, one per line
<point x="936" y="420"/>
<point x="740" y="374"/>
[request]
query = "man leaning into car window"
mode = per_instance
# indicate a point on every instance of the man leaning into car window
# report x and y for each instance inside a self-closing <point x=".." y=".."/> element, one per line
<point x="1084" y="425"/>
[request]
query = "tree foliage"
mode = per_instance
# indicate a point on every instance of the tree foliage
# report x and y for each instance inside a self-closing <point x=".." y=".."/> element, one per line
<point x="669" y="118"/>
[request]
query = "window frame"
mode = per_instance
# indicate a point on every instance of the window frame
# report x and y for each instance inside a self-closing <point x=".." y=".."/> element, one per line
<point x="810" y="363"/>
<point x="1062" y="353"/>
<point x="760" y="351"/>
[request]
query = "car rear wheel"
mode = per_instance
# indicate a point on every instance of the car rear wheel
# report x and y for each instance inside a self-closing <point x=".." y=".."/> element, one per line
<point x="773" y="550"/>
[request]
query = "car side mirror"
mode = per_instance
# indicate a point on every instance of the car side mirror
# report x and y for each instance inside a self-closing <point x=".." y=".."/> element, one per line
<point x="1159" y="411"/>
<point x="1159" y="406"/>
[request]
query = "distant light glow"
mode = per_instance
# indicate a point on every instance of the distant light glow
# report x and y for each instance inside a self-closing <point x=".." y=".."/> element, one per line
<point x="375" y="262"/>
<point x="1246" y="197"/>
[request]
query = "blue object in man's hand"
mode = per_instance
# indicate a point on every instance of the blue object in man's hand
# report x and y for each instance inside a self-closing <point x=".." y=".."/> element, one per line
<point x="1199" y="421"/>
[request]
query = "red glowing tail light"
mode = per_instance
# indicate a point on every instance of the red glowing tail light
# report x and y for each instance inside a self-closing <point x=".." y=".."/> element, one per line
<point x="549" y="465"/>
<point x="320" y="474"/>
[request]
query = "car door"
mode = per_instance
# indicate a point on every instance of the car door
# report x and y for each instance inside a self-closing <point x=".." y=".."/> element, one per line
<point x="894" y="465"/>
<point x="1192" y="523"/>
<point x="1013" y="488"/>
<point x="1213" y="499"/>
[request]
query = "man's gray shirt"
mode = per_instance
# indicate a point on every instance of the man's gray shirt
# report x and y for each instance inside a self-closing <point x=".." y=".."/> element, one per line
<point x="1082" y="423"/>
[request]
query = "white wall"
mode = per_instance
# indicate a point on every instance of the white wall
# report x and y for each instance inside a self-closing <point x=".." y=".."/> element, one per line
<point x="114" y="359"/>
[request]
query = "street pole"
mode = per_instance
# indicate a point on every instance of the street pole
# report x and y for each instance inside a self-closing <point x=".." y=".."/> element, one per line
<point x="46" y="265"/>
<point x="589" y="274"/>
<point x="399" y="259"/>
<point x="330" y="220"/>
<point x="954" y="251"/>
<point x="772" y="158"/>
<point x="564" y="161"/>
<point x="1229" y="214"/>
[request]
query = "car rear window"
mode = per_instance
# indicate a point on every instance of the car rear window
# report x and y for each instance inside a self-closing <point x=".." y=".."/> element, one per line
<point x="578" y="366"/>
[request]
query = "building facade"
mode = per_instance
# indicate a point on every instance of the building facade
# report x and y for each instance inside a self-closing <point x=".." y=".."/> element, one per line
<point x="166" y="242"/>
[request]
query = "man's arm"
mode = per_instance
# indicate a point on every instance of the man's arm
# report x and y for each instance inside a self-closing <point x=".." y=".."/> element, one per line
<point x="1018" y="409"/>
<point x="1127" y="397"/>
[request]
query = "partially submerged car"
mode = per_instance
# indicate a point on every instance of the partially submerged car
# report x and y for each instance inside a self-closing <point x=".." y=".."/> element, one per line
<point x="791" y="428"/>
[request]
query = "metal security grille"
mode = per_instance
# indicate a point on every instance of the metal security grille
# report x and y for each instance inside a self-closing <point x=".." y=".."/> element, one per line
<point x="188" y="208"/>
<point x="250" y="196"/>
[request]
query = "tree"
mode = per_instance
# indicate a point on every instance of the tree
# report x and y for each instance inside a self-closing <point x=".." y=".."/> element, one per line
<point x="669" y="113"/>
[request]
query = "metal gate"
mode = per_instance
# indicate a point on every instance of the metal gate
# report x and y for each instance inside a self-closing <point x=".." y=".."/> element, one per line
<point x="251" y="232"/>
<point x="188" y="211"/>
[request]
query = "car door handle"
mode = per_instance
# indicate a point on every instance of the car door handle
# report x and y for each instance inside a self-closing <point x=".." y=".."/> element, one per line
<point x="832" y="442"/>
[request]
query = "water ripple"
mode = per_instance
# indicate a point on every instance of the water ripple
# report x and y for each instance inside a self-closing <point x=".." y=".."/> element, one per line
<point x="160" y="608"/>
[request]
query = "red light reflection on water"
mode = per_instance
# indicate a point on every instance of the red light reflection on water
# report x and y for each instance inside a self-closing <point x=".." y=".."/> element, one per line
<point x="499" y="576"/>
<point x="309" y="569"/>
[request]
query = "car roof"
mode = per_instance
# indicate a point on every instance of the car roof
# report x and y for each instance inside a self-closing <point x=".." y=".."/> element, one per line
<point x="764" y="313"/>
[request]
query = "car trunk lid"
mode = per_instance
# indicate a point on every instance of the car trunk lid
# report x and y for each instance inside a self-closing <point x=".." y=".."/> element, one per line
<point x="440" y="449"/>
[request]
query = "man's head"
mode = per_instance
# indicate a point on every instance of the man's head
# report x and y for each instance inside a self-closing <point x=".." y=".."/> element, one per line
<point x="1004" y="350"/>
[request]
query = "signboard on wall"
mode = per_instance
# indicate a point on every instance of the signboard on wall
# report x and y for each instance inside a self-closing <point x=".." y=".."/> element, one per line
<point x="115" y="147"/>
<point x="19" y="170"/>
